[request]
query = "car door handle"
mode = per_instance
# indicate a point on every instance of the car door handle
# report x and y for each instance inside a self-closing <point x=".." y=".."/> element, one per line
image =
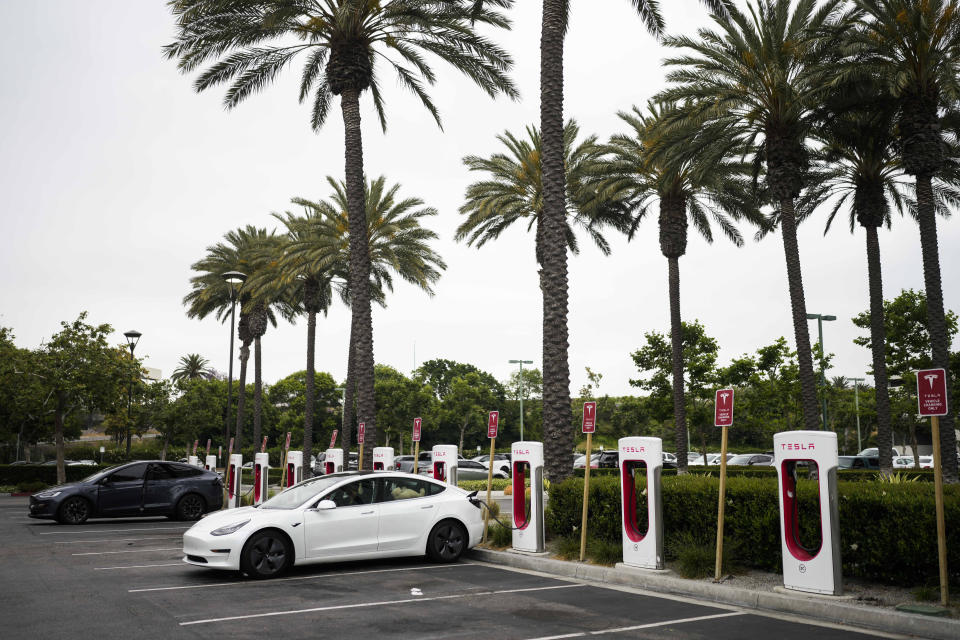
<point x="427" y="506"/>
<point x="365" y="513"/>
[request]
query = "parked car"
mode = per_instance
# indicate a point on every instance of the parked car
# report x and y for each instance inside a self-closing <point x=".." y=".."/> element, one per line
<point x="144" y="488"/>
<point x="712" y="459"/>
<point x="82" y="463"/>
<point x="859" y="462"/>
<point x="905" y="463"/>
<point x="50" y="463"/>
<point x="405" y="463"/>
<point x="466" y="470"/>
<point x="751" y="459"/>
<point x="609" y="459"/>
<point x="580" y="462"/>
<point x="345" y="516"/>
<point x="670" y="457"/>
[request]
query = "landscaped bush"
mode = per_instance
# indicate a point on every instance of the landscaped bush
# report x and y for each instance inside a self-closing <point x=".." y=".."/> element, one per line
<point x="887" y="531"/>
<point x="46" y="474"/>
<point x="498" y="484"/>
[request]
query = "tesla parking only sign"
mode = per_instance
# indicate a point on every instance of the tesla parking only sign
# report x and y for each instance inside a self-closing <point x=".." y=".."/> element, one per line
<point x="333" y="438"/>
<point x="932" y="392"/>
<point x="589" y="417"/>
<point x="492" y="423"/>
<point x="361" y="432"/>
<point x="416" y="429"/>
<point x="723" y="411"/>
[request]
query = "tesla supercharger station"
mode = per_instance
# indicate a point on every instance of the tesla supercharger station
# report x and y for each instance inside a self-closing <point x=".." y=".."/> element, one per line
<point x="193" y="461"/>
<point x="234" y="488"/>
<point x="333" y="461"/>
<point x="814" y="569"/>
<point x="211" y="464"/>
<point x="294" y="467"/>
<point x="527" y="461"/>
<point x="444" y="457"/>
<point x="261" y="474"/>
<point x="383" y="458"/>
<point x="642" y="537"/>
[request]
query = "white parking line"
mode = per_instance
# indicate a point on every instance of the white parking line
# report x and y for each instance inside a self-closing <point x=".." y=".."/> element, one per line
<point x="472" y="594"/>
<point x="84" y="531"/>
<point x="650" y="625"/>
<point x="116" y="540"/>
<point x="142" y="566"/>
<point x="261" y="583"/>
<point x="106" y="553"/>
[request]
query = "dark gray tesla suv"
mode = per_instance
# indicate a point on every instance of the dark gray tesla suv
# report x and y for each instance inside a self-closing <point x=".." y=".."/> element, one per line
<point x="144" y="488"/>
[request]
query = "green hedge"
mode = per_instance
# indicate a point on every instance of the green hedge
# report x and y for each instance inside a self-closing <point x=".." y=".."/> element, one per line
<point x="47" y="474"/>
<point x="852" y="475"/>
<point x="888" y="531"/>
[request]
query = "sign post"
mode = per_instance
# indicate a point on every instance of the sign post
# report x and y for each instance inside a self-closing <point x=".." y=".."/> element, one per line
<point x="196" y="443"/>
<point x="208" y="447"/>
<point x="932" y="401"/>
<point x="361" y="436"/>
<point x="333" y="438"/>
<point x="723" y="418"/>
<point x="589" y="426"/>
<point x="417" y="424"/>
<point x="283" y="462"/>
<point x="493" y="422"/>
<point x="226" y="475"/>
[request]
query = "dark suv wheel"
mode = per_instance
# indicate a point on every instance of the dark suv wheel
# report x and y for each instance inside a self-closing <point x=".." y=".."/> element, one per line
<point x="74" y="510"/>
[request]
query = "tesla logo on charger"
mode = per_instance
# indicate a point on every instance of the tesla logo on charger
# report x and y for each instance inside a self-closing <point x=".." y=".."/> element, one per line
<point x="634" y="449"/>
<point x="439" y="454"/>
<point x="521" y="452"/>
<point x="797" y="446"/>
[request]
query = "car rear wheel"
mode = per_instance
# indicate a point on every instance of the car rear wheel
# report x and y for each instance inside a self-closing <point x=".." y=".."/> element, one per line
<point x="74" y="510"/>
<point x="267" y="554"/>
<point x="447" y="541"/>
<point x="190" y="507"/>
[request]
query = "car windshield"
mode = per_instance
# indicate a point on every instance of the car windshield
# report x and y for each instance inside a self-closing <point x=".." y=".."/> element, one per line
<point x="741" y="459"/>
<point x="298" y="494"/>
<point x="99" y="474"/>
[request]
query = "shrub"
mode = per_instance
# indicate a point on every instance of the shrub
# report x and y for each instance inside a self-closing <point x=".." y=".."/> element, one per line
<point x="887" y="531"/>
<point x="31" y="487"/>
<point x="498" y="484"/>
<point x="45" y="474"/>
<point x="499" y="536"/>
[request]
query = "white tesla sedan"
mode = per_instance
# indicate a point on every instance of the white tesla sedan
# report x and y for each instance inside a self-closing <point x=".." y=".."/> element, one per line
<point x="343" y="516"/>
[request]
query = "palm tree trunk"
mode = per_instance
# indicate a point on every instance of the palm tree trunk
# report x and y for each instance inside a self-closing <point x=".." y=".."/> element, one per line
<point x="350" y="395"/>
<point x="241" y="395"/>
<point x="936" y="322"/>
<point x="359" y="265"/>
<point x="257" y="395"/>
<point x="309" y="395"/>
<point x="878" y="345"/>
<point x="808" y="380"/>
<point x="557" y="430"/>
<point x="58" y="417"/>
<point x="676" y="342"/>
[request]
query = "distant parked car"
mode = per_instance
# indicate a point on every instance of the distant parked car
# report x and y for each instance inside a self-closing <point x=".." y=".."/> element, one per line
<point x="669" y="457"/>
<point x="609" y="459"/>
<point x="50" y="463"/>
<point x="712" y="459"/>
<point x="859" y="462"/>
<point x="580" y="462"/>
<point x="906" y="462"/>
<point x="82" y="463"/>
<point x="751" y="459"/>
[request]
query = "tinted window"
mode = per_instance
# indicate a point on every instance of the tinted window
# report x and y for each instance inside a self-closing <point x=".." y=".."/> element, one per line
<point x="406" y="488"/>
<point x="159" y="472"/>
<point x="183" y="470"/>
<point x="354" y="493"/>
<point x="127" y="474"/>
<point x="470" y="464"/>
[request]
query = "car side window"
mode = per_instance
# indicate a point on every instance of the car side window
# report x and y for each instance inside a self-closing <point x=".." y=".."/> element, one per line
<point x="183" y="470"/>
<point x="159" y="472"/>
<point x="355" y="493"/>
<point x="404" y="489"/>
<point x="128" y="474"/>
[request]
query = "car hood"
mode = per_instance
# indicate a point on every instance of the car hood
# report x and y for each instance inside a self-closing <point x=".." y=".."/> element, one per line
<point x="70" y="486"/>
<point x="225" y="517"/>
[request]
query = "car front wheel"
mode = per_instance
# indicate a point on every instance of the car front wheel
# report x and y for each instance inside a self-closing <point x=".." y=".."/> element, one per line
<point x="267" y="554"/>
<point x="74" y="510"/>
<point x="447" y="542"/>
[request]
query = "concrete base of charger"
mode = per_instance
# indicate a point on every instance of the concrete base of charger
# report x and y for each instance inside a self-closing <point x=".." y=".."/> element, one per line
<point x="641" y="570"/>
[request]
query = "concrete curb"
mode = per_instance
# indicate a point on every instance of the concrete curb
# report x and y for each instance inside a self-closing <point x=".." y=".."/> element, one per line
<point x="802" y="606"/>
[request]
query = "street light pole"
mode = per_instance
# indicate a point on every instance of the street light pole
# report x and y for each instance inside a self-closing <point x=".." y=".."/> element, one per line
<point x="856" y="400"/>
<point x="521" y="363"/>
<point x="133" y="337"/>
<point x="233" y="278"/>
<point x="821" y="318"/>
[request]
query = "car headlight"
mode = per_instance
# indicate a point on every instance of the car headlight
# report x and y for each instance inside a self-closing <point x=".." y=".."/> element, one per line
<point x="48" y="494"/>
<point x="230" y="528"/>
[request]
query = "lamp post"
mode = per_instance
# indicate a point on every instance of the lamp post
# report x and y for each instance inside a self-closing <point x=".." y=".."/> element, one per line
<point x="521" y="363"/>
<point x="821" y="318"/>
<point x="133" y="337"/>
<point x="234" y="279"/>
<point x="856" y="401"/>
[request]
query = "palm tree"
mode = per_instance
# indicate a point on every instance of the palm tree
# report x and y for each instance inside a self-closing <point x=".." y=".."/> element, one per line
<point x="248" y="44"/>
<point x="193" y="366"/>
<point x="209" y="293"/>
<point x="512" y="191"/>
<point x="913" y="48"/>
<point x="759" y="80"/>
<point x="686" y="175"/>
<point x="397" y="244"/>
<point x="556" y="368"/>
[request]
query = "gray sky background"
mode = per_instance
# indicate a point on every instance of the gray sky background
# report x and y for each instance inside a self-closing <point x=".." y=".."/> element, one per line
<point x="115" y="176"/>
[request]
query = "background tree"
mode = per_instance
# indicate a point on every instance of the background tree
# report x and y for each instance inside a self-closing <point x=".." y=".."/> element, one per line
<point x="191" y="367"/>
<point x="289" y="398"/>
<point x="399" y="401"/>
<point x="247" y="45"/>
<point x="467" y="405"/>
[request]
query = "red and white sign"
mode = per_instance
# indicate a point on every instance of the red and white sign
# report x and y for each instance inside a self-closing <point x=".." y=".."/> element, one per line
<point x="230" y="447"/>
<point x="723" y="408"/>
<point x="263" y="447"/>
<point x="493" y="422"/>
<point x="932" y="392"/>
<point x="287" y="446"/>
<point x="333" y="438"/>
<point x="196" y="443"/>
<point x="219" y="451"/>
<point x="417" y="424"/>
<point x="589" y="417"/>
<point x="208" y="446"/>
<point x="361" y="432"/>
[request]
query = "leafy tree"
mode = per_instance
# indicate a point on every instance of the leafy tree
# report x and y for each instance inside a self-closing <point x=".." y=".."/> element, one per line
<point x="440" y="373"/>
<point x="191" y="367"/>
<point x="288" y="396"/>
<point x="247" y="45"/>
<point x="399" y="401"/>
<point x="467" y="404"/>
<point x="25" y="409"/>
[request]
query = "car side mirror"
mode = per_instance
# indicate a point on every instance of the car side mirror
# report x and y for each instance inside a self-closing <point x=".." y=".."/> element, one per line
<point x="326" y="505"/>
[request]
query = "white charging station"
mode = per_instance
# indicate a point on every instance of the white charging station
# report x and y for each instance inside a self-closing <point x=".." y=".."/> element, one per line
<point x="445" y="463"/>
<point x="261" y="474"/>
<point x="383" y="459"/>
<point x="642" y="541"/>
<point x="815" y="570"/>
<point x="193" y="461"/>
<point x="333" y="461"/>
<point x="294" y="467"/>
<point x="527" y="462"/>
<point x="210" y="464"/>
<point x="234" y="484"/>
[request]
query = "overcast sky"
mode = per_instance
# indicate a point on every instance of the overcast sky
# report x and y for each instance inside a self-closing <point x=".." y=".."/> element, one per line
<point x="115" y="177"/>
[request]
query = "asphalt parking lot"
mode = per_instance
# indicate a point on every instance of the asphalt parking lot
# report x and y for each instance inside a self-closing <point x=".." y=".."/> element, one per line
<point x="124" y="579"/>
